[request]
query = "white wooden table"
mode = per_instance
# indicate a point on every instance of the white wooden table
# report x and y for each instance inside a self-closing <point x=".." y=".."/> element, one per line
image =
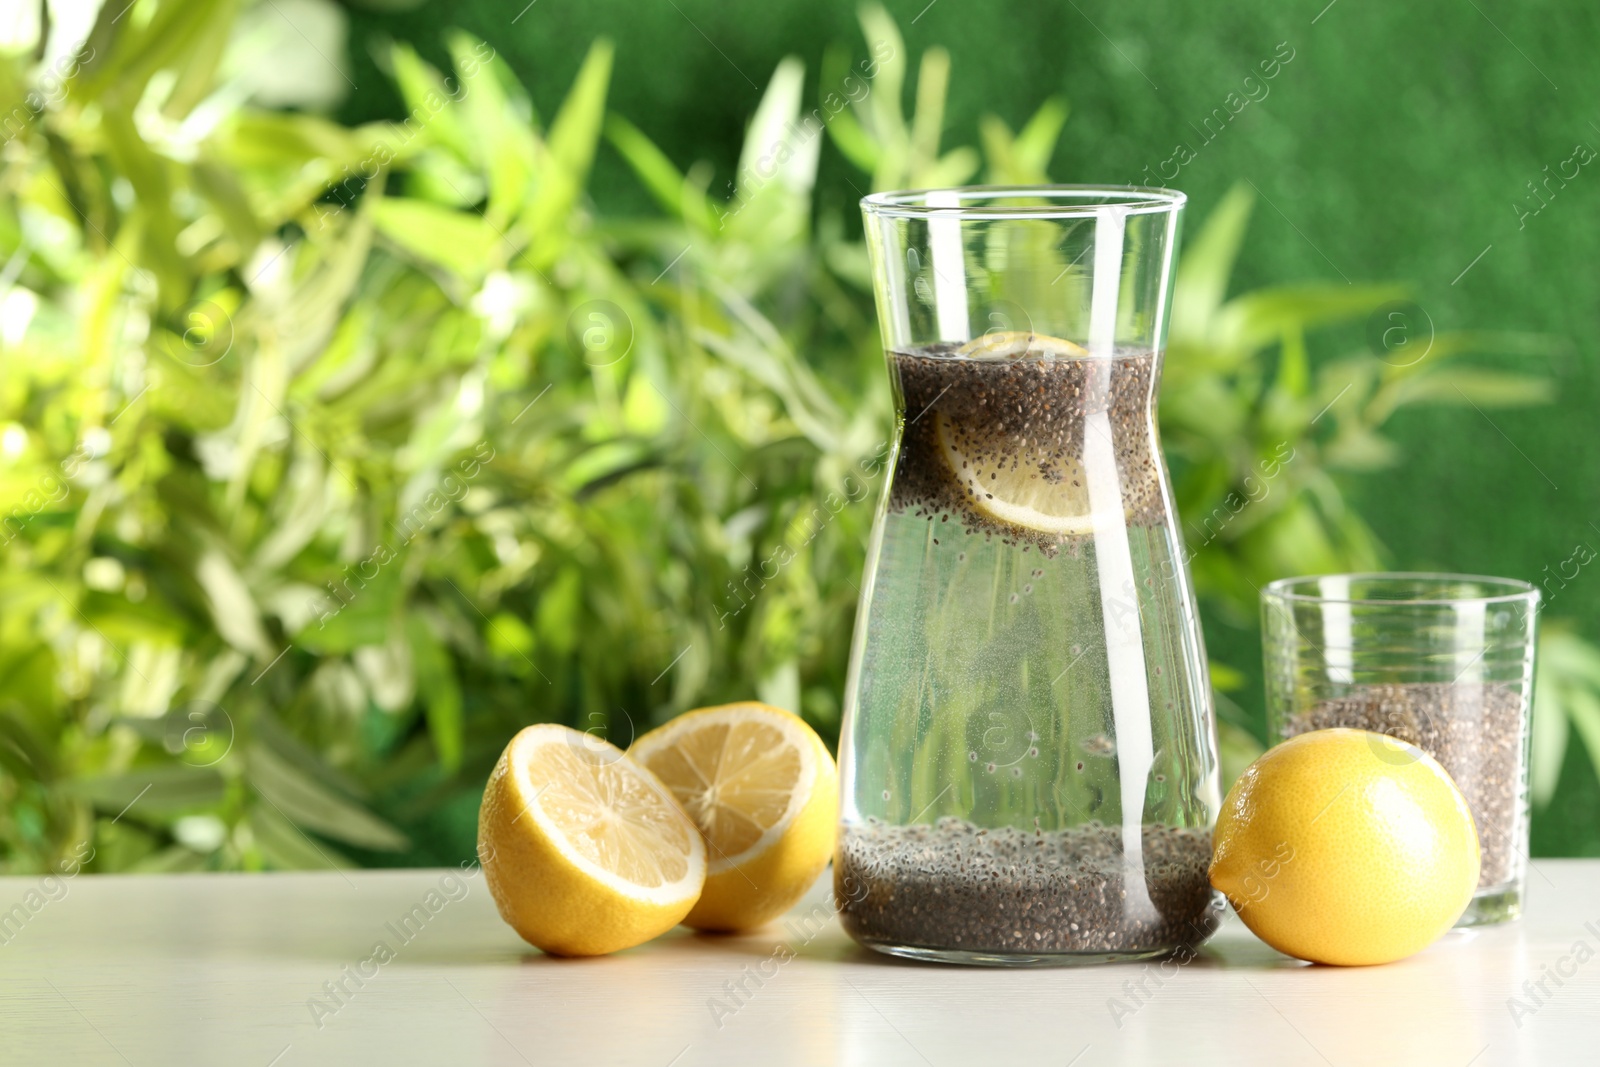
<point x="235" y="970"/>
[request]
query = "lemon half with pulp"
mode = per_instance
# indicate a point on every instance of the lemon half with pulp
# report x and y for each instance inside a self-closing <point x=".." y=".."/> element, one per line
<point x="763" y="789"/>
<point x="584" y="851"/>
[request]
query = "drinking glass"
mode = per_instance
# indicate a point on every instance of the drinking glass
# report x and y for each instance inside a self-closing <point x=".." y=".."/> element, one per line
<point x="1028" y="754"/>
<point x="1442" y="661"/>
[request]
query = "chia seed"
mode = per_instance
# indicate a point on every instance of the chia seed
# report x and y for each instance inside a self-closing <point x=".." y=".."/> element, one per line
<point x="953" y="886"/>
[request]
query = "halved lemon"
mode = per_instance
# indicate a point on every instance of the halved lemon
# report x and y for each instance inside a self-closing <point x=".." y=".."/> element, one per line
<point x="1010" y="344"/>
<point x="1049" y="494"/>
<point x="763" y="789"/>
<point x="584" y="851"/>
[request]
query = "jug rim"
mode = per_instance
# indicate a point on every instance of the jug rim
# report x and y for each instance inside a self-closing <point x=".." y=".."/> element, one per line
<point x="1062" y="201"/>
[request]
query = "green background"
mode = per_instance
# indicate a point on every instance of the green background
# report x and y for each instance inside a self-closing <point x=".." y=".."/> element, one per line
<point x="1397" y="144"/>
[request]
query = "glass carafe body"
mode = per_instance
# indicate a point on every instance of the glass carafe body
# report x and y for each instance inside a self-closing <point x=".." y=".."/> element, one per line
<point x="1028" y="753"/>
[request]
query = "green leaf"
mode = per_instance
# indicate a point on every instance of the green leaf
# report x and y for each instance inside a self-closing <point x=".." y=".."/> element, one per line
<point x="845" y="129"/>
<point x="1294" y="374"/>
<point x="1566" y="692"/>
<point x="149" y="176"/>
<point x="605" y="462"/>
<point x="153" y="792"/>
<point x="233" y="608"/>
<point x="1577" y="659"/>
<point x="256" y="140"/>
<point x="573" y="136"/>
<point x="1208" y="264"/>
<point x="197" y="77"/>
<point x="511" y="640"/>
<point x="1250" y="321"/>
<point x="1461" y="387"/>
<point x="1446" y="345"/>
<point x="576" y="129"/>
<point x="310" y="804"/>
<point x="286" y="847"/>
<point x="884" y="102"/>
<point x="461" y="243"/>
<point x="952" y="168"/>
<point x="1358" y="448"/>
<point x="996" y="138"/>
<point x="780" y="162"/>
<point x="270" y="732"/>
<point x="927" y="121"/>
<point x="346" y="617"/>
<point x="222" y="190"/>
<point x="557" y="616"/>
<point x="23" y="754"/>
<point x="1548" y="747"/>
<point x="439" y="690"/>
<point x="430" y="109"/>
<point x="665" y="182"/>
<point x="135" y="51"/>
<point x="1583" y="709"/>
<point x="1036" y="143"/>
<point x="500" y="139"/>
<point x="780" y="686"/>
<point x="1226" y="678"/>
<point x="850" y="263"/>
<point x="176" y="859"/>
<point x="1025" y="158"/>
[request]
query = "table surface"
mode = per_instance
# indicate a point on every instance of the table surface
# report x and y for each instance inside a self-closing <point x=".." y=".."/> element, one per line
<point x="237" y="970"/>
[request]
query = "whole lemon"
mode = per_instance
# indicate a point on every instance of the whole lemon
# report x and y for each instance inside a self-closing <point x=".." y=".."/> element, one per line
<point x="1346" y="847"/>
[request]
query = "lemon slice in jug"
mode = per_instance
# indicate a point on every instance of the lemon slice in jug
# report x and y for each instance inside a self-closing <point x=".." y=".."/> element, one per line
<point x="1012" y="344"/>
<point x="1048" y="495"/>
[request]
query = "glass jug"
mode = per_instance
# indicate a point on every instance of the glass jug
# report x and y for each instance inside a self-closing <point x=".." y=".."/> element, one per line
<point x="1028" y="754"/>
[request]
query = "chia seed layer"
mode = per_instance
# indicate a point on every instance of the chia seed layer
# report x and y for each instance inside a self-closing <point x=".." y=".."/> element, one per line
<point x="953" y="886"/>
<point x="1028" y="412"/>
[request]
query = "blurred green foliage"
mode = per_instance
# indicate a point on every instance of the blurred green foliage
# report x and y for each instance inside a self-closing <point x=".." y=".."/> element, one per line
<point x="330" y="456"/>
